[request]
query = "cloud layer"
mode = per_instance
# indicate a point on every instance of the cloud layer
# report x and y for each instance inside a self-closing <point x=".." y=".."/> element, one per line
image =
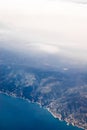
<point x="45" y="26"/>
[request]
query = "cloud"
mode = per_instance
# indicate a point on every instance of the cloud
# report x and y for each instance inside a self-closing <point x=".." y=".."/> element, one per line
<point x="79" y="1"/>
<point x="59" y="27"/>
<point x="46" y="48"/>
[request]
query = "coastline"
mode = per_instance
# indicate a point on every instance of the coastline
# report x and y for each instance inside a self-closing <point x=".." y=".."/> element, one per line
<point x="58" y="116"/>
<point x="55" y="115"/>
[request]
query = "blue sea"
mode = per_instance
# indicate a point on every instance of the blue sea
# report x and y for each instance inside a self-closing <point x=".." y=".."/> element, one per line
<point x="18" y="114"/>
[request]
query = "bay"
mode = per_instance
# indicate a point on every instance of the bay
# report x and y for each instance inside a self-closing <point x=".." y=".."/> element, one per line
<point x="18" y="114"/>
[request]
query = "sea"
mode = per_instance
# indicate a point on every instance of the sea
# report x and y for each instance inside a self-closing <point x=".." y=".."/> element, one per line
<point x="18" y="114"/>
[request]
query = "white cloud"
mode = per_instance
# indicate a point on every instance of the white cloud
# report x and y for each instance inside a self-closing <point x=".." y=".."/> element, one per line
<point x="60" y="27"/>
<point x="45" y="48"/>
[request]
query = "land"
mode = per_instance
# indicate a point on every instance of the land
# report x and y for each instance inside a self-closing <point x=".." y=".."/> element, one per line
<point x="62" y="92"/>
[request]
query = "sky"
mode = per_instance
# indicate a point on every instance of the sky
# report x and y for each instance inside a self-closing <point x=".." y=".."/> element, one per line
<point x="57" y="27"/>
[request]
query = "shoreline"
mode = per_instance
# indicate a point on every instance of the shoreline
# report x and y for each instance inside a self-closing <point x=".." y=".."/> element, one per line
<point x="59" y="118"/>
<point x="56" y="116"/>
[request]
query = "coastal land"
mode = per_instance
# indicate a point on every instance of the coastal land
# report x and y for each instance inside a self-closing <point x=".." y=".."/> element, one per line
<point x="63" y="92"/>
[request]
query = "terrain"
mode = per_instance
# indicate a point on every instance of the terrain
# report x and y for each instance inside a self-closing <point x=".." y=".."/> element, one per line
<point x="63" y="91"/>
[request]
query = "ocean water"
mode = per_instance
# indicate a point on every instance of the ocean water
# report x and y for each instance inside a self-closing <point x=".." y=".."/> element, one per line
<point x="18" y="114"/>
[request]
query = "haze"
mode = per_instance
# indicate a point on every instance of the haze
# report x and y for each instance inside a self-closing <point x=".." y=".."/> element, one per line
<point x="45" y="26"/>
